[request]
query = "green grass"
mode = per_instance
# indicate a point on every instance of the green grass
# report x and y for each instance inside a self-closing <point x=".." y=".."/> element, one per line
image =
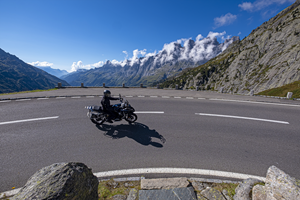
<point x="282" y="91"/>
<point x="230" y="187"/>
<point x="28" y="91"/>
<point x="107" y="189"/>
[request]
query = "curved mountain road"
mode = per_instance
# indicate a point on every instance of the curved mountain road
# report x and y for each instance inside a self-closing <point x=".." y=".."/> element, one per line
<point x="177" y="132"/>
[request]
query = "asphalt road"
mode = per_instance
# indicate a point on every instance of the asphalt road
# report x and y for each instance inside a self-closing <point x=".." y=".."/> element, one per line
<point x="61" y="132"/>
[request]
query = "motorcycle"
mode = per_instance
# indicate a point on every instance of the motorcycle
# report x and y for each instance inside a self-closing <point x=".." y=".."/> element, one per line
<point x="123" y="110"/>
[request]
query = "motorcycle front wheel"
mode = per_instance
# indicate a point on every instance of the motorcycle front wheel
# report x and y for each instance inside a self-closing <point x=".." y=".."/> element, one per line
<point x="131" y="117"/>
<point x="100" y="119"/>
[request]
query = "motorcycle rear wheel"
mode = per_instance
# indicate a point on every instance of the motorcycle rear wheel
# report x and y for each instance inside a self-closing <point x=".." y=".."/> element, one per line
<point x="98" y="119"/>
<point x="131" y="118"/>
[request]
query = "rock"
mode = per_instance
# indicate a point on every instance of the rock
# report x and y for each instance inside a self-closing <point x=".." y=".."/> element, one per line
<point x="289" y="95"/>
<point x="225" y="194"/>
<point x="61" y="181"/>
<point x="212" y="194"/>
<point x="119" y="197"/>
<point x="164" y="183"/>
<point x="280" y="185"/>
<point x="133" y="194"/>
<point x="259" y="193"/>
<point x="186" y="193"/>
<point x="242" y="192"/>
<point x="128" y="184"/>
<point x="198" y="186"/>
<point x="113" y="184"/>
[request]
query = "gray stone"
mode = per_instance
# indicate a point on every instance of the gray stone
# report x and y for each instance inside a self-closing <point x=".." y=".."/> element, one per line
<point x="61" y="181"/>
<point x="198" y="186"/>
<point x="186" y="193"/>
<point x="221" y="90"/>
<point x="164" y="183"/>
<point x="133" y="194"/>
<point x="280" y="185"/>
<point x="225" y="194"/>
<point x="212" y="194"/>
<point x="259" y="193"/>
<point x="128" y="184"/>
<point x="289" y="95"/>
<point x="119" y="197"/>
<point x="242" y="192"/>
<point x="113" y="184"/>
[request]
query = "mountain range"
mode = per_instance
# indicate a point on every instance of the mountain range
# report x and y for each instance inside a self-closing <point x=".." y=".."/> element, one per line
<point x="55" y="72"/>
<point x="148" y="70"/>
<point x="16" y="75"/>
<point x="269" y="57"/>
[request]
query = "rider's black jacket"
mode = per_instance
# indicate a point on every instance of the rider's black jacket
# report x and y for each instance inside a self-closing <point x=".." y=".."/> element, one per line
<point x="105" y="102"/>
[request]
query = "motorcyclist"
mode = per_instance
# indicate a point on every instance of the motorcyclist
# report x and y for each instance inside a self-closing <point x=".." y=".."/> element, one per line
<point x="105" y="102"/>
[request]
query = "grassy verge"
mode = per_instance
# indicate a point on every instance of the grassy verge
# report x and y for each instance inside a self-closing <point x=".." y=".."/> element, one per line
<point x="283" y="90"/>
<point x="28" y="91"/>
<point x="107" y="189"/>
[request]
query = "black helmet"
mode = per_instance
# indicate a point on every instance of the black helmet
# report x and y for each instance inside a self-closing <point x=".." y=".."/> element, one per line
<point x="106" y="93"/>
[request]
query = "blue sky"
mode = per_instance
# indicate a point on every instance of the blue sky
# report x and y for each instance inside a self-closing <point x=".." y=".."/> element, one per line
<point x="86" y="33"/>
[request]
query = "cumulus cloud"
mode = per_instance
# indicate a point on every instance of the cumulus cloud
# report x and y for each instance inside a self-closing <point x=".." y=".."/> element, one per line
<point x="202" y="49"/>
<point x="41" y="64"/>
<point x="79" y="65"/>
<point x="260" y="4"/>
<point x="224" y="20"/>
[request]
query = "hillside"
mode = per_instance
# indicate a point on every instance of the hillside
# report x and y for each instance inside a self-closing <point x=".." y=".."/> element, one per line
<point x="16" y="75"/>
<point x="268" y="58"/>
<point x="171" y="60"/>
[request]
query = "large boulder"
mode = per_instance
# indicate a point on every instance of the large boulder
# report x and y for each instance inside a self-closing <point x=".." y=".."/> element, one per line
<point x="61" y="181"/>
<point x="279" y="185"/>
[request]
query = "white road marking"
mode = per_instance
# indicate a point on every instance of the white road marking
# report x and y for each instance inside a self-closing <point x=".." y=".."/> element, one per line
<point x="177" y="97"/>
<point x="5" y="101"/>
<point x="239" y="117"/>
<point x="23" y="100"/>
<point x="201" y="98"/>
<point x="150" y="112"/>
<point x="190" y="97"/>
<point x="89" y="96"/>
<point x="28" y="120"/>
<point x="60" y="97"/>
<point x="191" y="171"/>
<point x="75" y="97"/>
<point x="277" y="104"/>
<point x="153" y="96"/>
<point x="165" y="97"/>
<point x="141" y="96"/>
<point x="42" y="98"/>
<point x="128" y="96"/>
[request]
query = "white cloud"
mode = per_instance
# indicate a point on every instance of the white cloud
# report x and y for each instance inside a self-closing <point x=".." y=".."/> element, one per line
<point x="215" y="34"/>
<point x="200" y="49"/>
<point x="41" y="64"/>
<point x="125" y="52"/>
<point x="260" y="4"/>
<point x="225" y="20"/>
<point x="199" y="37"/>
<point x="246" y="6"/>
<point x="79" y="65"/>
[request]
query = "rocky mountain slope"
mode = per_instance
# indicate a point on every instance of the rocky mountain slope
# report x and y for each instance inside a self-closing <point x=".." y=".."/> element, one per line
<point x="171" y="60"/>
<point x="269" y="57"/>
<point x="16" y="75"/>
